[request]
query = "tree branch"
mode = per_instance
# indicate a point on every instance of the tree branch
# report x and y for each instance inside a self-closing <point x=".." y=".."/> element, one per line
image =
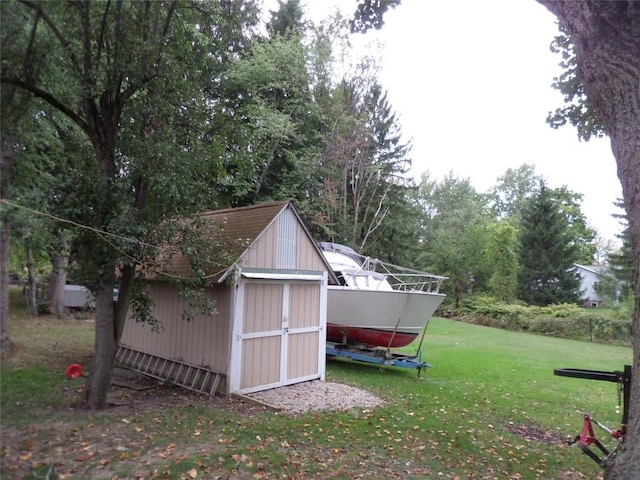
<point x="32" y="37"/>
<point x="47" y="97"/>
<point x="55" y="31"/>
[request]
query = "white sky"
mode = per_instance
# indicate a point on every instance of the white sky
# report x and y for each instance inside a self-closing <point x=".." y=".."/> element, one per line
<point x="470" y="82"/>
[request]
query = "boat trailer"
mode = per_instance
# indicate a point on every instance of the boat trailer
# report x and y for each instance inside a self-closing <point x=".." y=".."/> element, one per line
<point x="378" y="356"/>
<point x="587" y="436"/>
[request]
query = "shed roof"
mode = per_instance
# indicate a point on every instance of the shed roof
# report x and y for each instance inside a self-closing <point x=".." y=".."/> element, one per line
<point x="240" y="228"/>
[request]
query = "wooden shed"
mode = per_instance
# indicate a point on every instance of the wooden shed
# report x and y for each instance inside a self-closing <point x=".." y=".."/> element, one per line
<point x="269" y="328"/>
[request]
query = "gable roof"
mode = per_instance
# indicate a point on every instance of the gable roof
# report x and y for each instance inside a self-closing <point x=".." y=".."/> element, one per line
<point x="595" y="269"/>
<point x="241" y="227"/>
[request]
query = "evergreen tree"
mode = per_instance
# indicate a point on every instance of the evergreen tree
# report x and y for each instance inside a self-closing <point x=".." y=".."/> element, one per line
<point x="547" y="254"/>
<point x="621" y="262"/>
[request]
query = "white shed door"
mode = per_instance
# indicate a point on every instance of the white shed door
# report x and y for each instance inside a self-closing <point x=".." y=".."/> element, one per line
<point x="280" y="340"/>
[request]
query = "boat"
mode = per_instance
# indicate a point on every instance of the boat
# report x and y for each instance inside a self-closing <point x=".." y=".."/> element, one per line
<point x="377" y="304"/>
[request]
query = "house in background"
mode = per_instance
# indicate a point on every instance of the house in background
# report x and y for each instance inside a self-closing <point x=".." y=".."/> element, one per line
<point x="269" y="327"/>
<point x="590" y="276"/>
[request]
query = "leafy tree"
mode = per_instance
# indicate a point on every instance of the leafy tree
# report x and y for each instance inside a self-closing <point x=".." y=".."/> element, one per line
<point x="580" y="234"/>
<point x="512" y="190"/>
<point x="140" y="80"/>
<point x="503" y="255"/>
<point x="370" y="14"/>
<point x="606" y="43"/>
<point x="546" y="254"/>
<point x="455" y="231"/>
<point x="269" y="122"/>
<point x="577" y="109"/>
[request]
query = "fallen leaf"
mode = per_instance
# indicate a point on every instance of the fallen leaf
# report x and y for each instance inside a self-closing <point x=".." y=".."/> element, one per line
<point x="193" y="473"/>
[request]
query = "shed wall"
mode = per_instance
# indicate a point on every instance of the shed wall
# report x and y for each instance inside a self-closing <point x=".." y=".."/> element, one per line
<point x="284" y="235"/>
<point x="203" y="341"/>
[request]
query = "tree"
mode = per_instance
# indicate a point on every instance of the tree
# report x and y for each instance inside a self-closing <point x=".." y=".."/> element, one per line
<point x="139" y="79"/>
<point x="370" y="14"/>
<point x="269" y="121"/>
<point x="512" y="190"/>
<point x="364" y="162"/>
<point x="546" y="254"/>
<point x="580" y="234"/>
<point x="502" y="253"/>
<point x="621" y="261"/>
<point x="454" y="234"/>
<point x="606" y="43"/>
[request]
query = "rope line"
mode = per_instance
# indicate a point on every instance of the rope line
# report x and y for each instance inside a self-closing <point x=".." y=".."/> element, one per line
<point x="104" y="234"/>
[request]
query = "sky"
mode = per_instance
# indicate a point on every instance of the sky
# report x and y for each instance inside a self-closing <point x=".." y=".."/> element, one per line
<point x="470" y="83"/>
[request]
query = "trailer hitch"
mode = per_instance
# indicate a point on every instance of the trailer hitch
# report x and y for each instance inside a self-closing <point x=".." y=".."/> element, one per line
<point x="586" y="438"/>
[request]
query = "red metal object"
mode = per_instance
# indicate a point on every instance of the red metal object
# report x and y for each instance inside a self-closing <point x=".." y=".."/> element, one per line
<point x="73" y="371"/>
<point x="587" y="437"/>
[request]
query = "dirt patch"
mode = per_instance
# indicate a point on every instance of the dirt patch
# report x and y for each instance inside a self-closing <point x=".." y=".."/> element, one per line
<point x="531" y="433"/>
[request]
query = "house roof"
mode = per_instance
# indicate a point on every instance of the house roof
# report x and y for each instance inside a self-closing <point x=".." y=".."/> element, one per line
<point x="240" y="228"/>
<point x="596" y="269"/>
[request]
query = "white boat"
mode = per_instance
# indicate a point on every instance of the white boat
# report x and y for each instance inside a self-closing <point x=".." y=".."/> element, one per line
<point x="377" y="304"/>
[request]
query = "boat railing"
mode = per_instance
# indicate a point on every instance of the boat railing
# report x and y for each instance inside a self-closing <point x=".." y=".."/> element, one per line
<point x="401" y="278"/>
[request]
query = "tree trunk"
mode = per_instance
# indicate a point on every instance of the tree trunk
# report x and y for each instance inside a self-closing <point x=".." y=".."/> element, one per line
<point x="5" y="234"/>
<point x="606" y="36"/>
<point x="105" y="345"/>
<point x="59" y="264"/>
<point x="30" y="291"/>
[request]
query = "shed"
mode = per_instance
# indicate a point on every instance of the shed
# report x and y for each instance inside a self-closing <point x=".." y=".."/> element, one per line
<point x="269" y="327"/>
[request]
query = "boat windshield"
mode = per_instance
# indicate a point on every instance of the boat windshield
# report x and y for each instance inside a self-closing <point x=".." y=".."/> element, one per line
<point x="353" y="275"/>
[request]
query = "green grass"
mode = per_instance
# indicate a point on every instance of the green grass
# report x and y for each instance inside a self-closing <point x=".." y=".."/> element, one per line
<point x="489" y="408"/>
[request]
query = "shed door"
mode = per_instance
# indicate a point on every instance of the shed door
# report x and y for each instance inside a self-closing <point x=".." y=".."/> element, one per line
<point x="281" y="339"/>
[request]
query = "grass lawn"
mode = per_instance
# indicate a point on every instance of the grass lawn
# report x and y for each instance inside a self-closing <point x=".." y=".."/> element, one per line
<point x="490" y="408"/>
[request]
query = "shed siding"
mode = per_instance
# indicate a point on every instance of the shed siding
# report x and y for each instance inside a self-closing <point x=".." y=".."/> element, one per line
<point x="303" y="355"/>
<point x="284" y="244"/>
<point x="203" y="341"/>
<point x="304" y="313"/>
<point x="287" y="240"/>
<point x="261" y="356"/>
<point x="262" y="254"/>
<point x="263" y="308"/>
<point x="308" y="256"/>
<point x="305" y="305"/>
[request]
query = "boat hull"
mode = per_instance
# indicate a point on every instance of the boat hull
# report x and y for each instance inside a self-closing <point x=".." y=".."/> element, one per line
<point x="378" y="318"/>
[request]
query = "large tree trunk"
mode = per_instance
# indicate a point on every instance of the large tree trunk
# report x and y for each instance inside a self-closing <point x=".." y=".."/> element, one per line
<point x="606" y="36"/>
<point x="59" y="264"/>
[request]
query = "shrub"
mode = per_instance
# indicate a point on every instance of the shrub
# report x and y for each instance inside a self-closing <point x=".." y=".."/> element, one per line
<point x="564" y="320"/>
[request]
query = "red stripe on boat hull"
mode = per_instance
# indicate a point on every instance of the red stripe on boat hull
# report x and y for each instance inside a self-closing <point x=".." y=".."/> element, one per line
<point x="368" y="336"/>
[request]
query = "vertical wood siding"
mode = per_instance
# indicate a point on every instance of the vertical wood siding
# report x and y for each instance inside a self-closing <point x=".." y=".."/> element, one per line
<point x="303" y="355"/>
<point x="262" y="308"/>
<point x="260" y="361"/>
<point x="287" y="240"/>
<point x="304" y="314"/>
<point x="204" y="341"/>
<point x="262" y="316"/>
<point x="304" y="309"/>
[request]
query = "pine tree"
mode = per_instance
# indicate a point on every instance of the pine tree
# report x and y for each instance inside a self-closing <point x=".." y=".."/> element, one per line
<point x="621" y="262"/>
<point x="546" y="255"/>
